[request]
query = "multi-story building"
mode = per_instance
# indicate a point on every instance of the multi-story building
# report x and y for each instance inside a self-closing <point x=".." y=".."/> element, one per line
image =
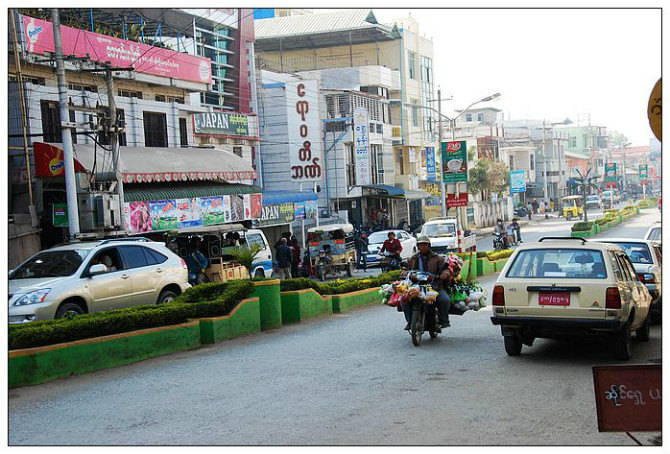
<point x="159" y="104"/>
<point x="585" y="147"/>
<point x="353" y="51"/>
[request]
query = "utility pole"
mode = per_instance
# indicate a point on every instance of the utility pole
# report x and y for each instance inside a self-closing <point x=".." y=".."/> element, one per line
<point x="439" y="147"/>
<point x="114" y="139"/>
<point x="24" y="126"/>
<point x="544" y="159"/>
<point x="623" y="165"/>
<point x="68" y="158"/>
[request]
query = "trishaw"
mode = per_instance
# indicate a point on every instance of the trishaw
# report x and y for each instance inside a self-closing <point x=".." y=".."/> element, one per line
<point x="332" y="249"/>
<point x="573" y="207"/>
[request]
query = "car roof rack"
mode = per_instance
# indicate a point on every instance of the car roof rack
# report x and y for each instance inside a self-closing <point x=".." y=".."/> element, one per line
<point x="135" y="238"/>
<point x="578" y="238"/>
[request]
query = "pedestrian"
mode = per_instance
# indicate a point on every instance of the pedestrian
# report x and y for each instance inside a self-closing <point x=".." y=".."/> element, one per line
<point x="284" y="259"/>
<point x="295" y="263"/>
<point x="362" y="244"/>
<point x="530" y="209"/>
<point x="535" y="206"/>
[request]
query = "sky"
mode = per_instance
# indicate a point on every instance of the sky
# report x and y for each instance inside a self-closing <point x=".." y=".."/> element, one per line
<point x="547" y="64"/>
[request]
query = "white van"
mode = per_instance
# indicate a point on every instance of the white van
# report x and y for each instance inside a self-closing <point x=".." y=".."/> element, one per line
<point x="262" y="266"/>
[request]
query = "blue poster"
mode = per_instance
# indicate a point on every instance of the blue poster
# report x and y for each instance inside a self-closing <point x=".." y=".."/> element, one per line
<point x="299" y="210"/>
<point x="517" y="181"/>
<point x="431" y="168"/>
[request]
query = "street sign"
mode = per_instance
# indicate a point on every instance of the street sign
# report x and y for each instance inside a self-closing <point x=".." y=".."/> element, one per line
<point x="517" y="181"/>
<point x="362" y="145"/>
<point x="454" y="201"/>
<point x="610" y="171"/>
<point x="654" y="110"/>
<point x="454" y="161"/>
<point x="628" y="398"/>
<point x="59" y="216"/>
<point x="431" y="169"/>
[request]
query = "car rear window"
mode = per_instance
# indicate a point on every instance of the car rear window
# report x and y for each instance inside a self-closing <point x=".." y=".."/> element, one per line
<point x="153" y="257"/>
<point x="636" y="252"/>
<point x="655" y="234"/>
<point x="558" y="263"/>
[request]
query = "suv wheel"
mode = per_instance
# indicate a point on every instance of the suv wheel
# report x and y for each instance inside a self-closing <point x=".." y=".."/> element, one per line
<point x="166" y="296"/>
<point x="69" y="310"/>
<point x="622" y="343"/>
<point x="642" y="334"/>
<point x="513" y="345"/>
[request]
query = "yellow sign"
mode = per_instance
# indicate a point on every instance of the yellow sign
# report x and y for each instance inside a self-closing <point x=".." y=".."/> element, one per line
<point x="654" y="111"/>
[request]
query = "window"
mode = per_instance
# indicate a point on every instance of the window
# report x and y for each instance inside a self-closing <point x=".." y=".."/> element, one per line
<point x="51" y="127"/>
<point x="623" y="266"/>
<point x="51" y="264"/>
<point x="573" y="142"/>
<point x="511" y="162"/>
<point x="108" y="257"/>
<point x="380" y="128"/>
<point x="155" y="129"/>
<point x="558" y="263"/>
<point x="480" y="117"/>
<point x="531" y="159"/>
<point x="659" y="254"/>
<point x="374" y="149"/>
<point x="133" y="256"/>
<point x="78" y="87"/>
<point x="411" y="64"/>
<point x="237" y="151"/>
<point x="655" y="234"/>
<point x="168" y="98"/>
<point x="637" y="252"/>
<point x="468" y="117"/>
<point x="121" y="116"/>
<point x="351" y="166"/>
<point x="160" y="98"/>
<point x="183" y="133"/>
<point x="257" y="239"/>
<point x="130" y="94"/>
<point x="153" y="257"/>
<point x="415" y="113"/>
<point x="618" y="274"/>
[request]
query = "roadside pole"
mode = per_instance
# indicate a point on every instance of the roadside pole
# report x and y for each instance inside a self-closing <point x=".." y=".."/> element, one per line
<point x="68" y="157"/>
<point x="439" y="147"/>
<point x="114" y="140"/>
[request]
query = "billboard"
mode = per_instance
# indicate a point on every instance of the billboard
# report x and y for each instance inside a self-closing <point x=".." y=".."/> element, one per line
<point x="517" y="179"/>
<point x="221" y="124"/>
<point x="361" y="146"/>
<point x="157" y="61"/>
<point x="454" y="161"/>
<point x="304" y="130"/>
<point x="431" y="168"/>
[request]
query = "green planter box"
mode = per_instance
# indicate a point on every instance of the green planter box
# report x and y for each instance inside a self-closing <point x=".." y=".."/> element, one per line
<point x="300" y="305"/>
<point x="585" y="233"/>
<point x="499" y="264"/>
<point x="244" y="319"/>
<point x="484" y="267"/>
<point x="348" y="301"/>
<point x="269" y="297"/>
<point x="32" y="366"/>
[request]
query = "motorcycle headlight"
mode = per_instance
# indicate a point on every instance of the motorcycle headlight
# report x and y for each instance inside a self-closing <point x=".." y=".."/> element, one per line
<point x="34" y="297"/>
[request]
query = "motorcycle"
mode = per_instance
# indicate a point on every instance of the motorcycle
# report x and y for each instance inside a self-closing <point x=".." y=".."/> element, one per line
<point x="388" y="262"/>
<point x="425" y="316"/>
<point x="521" y="212"/>
<point x="498" y="240"/>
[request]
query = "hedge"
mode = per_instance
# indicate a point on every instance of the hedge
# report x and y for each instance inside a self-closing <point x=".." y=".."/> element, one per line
<point x="207" y="300"/>
<point x="340" y="286"/>
<point x="582" y="226"/>
<point x="492" y="256"/>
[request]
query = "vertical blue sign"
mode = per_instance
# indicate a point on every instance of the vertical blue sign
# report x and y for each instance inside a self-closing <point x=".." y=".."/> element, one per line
<point x="431" y="168"/>
<point x="517" y="181"/>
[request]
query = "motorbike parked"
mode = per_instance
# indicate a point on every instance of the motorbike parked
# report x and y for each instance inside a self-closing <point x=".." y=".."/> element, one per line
<point x="521" y="211"/>
<point x="425" y="316"/>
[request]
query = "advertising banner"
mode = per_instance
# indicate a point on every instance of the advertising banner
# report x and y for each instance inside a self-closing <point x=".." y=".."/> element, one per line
<point x="221" y="124"/>
<point x="138" y="217"/>
<point x="59" y="216"/>
<point x="454" y="201"/>
<point x="212" y="210"/>
<point x="454" y="162"/>
<point x="644" y="175"/>
<point x="431" y="169"/>
<point x="304" y="130"/>
<point x="189" y="212"/>
<point x="517" y="181"/>
<point x="236" y="208"/>
<point x="298" y="211"/>
<point x="269" y="216"/>
<point x="361" y="146"/>
<point x="39" y="39"/>
<point x="610" y="171"/>
<point x="286" y="213"/>
<point x="311" y="209"/>
<point x="164" y="214"/>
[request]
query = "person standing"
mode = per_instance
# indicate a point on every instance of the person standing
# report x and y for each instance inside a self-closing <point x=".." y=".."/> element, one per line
<point x="362" y="244"/>
<point x="284" y="259"/>
<point x="295" y="263"/>
<point x="530" y="209"/>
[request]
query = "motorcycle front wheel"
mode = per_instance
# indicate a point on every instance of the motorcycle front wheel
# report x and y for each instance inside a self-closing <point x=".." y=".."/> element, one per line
<point x="416" y="327"/>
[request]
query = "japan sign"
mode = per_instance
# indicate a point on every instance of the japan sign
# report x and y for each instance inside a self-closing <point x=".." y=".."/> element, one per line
<point x="454" y="161"/>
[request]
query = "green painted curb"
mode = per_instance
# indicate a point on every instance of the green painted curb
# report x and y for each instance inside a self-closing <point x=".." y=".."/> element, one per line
<point x="244" y="319"/>
<point x="348" y="301"/>
<point x="32" y="366"/>
<point x="268" y="293"/>
<point x="300" y="305"/>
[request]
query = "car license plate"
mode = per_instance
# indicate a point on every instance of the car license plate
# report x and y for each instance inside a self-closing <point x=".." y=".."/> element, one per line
<point x="554" y="299"/>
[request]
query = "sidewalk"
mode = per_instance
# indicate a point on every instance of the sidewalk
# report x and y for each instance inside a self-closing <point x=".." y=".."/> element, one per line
<point x="536" y="219"/>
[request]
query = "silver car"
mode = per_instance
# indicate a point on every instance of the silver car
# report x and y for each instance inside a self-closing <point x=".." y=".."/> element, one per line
<point x="94" y="276"/>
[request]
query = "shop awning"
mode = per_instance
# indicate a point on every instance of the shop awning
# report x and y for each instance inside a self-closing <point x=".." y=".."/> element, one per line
<point x="148" y="164"/>
<point x="415" y="194"/>
<point x="181" y="190"/>
<point x="276" y="197"/>
<point x="383" y="190"/>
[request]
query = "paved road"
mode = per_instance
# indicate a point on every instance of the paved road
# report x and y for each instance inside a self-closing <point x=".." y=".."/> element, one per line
<point x="342" y="379"/>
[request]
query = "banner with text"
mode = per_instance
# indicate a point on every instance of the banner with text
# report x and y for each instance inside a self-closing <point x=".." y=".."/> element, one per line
<point x="221" y="124"/>
<point x="361" y="146"/>
<point x="304" y="130"/>
<point x="454" y="161"/>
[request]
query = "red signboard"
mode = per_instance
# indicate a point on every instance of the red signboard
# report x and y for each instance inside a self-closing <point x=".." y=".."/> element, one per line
<point x="628" y="398"/>
<point x="49" y="161"/>
<point x="39" y="39"/>
<point x="454" y="201"/>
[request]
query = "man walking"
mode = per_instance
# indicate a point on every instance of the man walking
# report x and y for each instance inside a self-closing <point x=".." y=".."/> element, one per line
<point x="284" y="259"/>
<point x="362" y="244"/>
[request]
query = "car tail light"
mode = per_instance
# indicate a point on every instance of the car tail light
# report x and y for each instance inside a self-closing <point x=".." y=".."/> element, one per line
<point x="183" y="263"/>
<point x="612" y="298"/>
<point x="647" y="278"/>
<point x="498" y="295"/>
<point x="339" y="241"/>
<point x="314" y="243"/>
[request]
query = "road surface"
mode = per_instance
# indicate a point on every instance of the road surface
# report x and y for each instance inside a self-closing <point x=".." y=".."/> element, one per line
<point x="341" y="379"/>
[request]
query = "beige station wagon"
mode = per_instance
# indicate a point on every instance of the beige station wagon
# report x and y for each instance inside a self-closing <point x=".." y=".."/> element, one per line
<point x="563" y="287"/>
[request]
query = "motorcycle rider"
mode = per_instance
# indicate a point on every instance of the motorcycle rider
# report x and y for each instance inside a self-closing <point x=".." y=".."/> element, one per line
<point x="500" y="229"/>
<point x="517" y="228"/>
<point x="428" y="261"/>
<point x="392" y="245"/>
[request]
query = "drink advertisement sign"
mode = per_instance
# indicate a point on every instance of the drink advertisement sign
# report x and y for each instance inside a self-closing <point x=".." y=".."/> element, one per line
<point x="454" y="161"/>
<point x="610" y="171"/>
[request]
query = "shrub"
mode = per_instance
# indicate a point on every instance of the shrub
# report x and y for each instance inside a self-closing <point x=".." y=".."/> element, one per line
<point x="582" y="226"/>
<point x="207" y="300"/>
<point x="339" y="287"/>
<point x="499" y="255"/>
<point x="602" y="221"/>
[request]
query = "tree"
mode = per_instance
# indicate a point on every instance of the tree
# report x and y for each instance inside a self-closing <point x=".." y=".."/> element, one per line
<point x="617" y="139"/>
<point x="488" y="177"/>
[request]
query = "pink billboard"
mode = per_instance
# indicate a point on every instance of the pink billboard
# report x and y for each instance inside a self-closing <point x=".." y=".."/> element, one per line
<point x="119" y="52"/>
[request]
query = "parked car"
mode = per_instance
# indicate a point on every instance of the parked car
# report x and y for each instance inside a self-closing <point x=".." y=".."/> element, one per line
<point x="593" y="201"/>
<point x="646" y="258"/>
<point x="563" y="287"/>
<point x="94" y="276"/>
<point x="376" y="240"/>
<point x="654" y="233"/>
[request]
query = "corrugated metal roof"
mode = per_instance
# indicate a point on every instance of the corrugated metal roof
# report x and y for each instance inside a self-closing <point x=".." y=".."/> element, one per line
<point x="307" y="24"/>
<point x="172" y="191"/>
<point x="274" y="197"/>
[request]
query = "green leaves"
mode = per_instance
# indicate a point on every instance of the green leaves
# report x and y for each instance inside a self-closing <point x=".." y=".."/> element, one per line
<point x="339" y="287"/>
<point x="245" y="255"/>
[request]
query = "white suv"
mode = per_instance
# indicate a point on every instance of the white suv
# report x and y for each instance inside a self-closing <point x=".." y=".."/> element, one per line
<point x="94" y="276"/>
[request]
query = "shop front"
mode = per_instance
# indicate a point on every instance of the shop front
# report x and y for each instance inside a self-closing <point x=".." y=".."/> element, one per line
<point x="284" y="211"/>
